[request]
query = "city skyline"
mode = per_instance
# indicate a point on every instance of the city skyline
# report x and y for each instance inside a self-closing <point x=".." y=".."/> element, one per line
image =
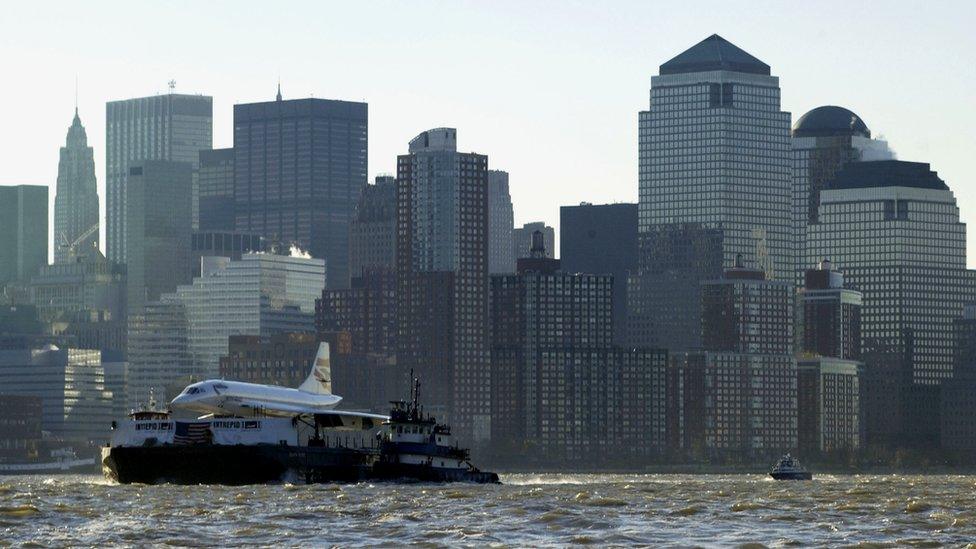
<point x="579" y="88"/>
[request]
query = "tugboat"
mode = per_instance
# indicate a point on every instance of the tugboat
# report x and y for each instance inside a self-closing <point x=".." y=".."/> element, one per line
<point x="789" y="468"/>
<point x="414" y="446"/>
<point x="312" y="447"/>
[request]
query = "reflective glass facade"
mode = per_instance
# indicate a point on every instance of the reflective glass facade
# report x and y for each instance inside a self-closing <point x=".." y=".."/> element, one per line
<point x="714" y="149"/>
<point x="163" y="127"/>
<point x="904" y="247"/>
<point x="299" y="168"/>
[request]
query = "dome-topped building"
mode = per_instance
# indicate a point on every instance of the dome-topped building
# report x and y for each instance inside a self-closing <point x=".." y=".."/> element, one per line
<point x="830" y="121"/>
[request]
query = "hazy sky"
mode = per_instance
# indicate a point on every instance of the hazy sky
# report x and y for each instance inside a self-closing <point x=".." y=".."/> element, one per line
<point x="548" y="90"/>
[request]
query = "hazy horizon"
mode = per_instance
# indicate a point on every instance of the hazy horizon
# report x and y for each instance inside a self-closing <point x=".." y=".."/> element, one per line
<point x="549" y="91"/>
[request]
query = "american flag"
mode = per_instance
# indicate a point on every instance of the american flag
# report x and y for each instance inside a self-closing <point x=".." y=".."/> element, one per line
<point x="187" y="432"/>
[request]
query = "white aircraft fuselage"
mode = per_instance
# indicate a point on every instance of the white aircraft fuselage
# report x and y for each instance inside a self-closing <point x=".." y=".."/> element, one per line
<point x="221" y="397"/>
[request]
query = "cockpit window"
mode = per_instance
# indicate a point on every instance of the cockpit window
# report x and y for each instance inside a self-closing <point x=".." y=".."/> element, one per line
<point x="219" y="386"/>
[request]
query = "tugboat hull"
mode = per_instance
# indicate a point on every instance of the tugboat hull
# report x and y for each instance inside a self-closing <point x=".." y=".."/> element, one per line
<point x="427" y="473"/>
<point x="232" y="465"/>
<point x="261" y="464"/>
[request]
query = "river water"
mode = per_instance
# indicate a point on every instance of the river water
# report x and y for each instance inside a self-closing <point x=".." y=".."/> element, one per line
<point x="527" y="510"/>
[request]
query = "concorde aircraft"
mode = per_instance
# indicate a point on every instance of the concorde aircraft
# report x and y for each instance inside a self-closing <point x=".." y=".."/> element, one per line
<point x="221" y="397"/>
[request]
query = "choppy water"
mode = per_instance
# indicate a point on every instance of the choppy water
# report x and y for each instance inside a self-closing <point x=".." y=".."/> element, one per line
<point x="527" y="510"/>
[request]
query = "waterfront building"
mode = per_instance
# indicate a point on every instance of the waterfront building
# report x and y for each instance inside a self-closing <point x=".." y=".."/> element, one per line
<point x="215" y="191"/>
<point x="830" y="315"/>
<point x="893" y="227"/>
<point x="559" y="385"/>
<point x="299" y="168"/>
<point x="747" y="371"/>
<point x="601" y="239"/>
<point x="664" y="294"/>
<point x="158" y="228"/>
<point x="958" y="413"/>
<point x="824" y="140"/>
<point x="172" y="127"/>
<point x="501" y="224"/>
<point x="442" y="278"/>
<point x="714" y="149"/>
<point x="20" y="428"/>
<point x="23" y="224"/>
<point x="76" y="198"/>
<point x="828" y="367"/>
<point x="76" y="405"/>
<point x="522" y="237"/>
<point x="372" y="232"/>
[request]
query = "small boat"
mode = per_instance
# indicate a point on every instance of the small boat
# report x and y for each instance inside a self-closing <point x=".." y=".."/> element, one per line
<point x="63" y="461"/>
<point x="789" y="468"/>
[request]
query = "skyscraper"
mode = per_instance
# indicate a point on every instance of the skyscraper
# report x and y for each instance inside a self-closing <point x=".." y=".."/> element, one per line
<point x="501" y="224"/>
<point x="172" y="127"/>
<point x="558" y="382"/>
<point x="215" y="191"/>
<point x="157" y="231"/>
<point x="714" y="149"/>
<point x="522" y="236"/>
<point x="748" y="406"/>
<point x="299" y="168"/>
<point x="601" y="239"/>
<point x="442" y="277"/>
<point x="828" y="367"/>
<point x="664" y="296"/>
<point x="893" y="228"/>
<point x="372" y="232"/>
<point x="76" y="201"/>
<point x="23" y="224"/>
<point x="824" y="140"/>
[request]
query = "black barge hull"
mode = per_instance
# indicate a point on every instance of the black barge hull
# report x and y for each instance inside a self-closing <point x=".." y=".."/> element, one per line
<point x="232" y="465"/>
<point x="262" y="464"/>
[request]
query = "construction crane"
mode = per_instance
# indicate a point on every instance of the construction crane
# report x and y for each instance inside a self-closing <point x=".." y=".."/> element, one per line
<point x="71" y="248"/>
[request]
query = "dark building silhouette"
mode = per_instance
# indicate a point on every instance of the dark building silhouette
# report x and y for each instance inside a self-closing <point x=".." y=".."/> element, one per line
<point x="442" y="278"/>
<point x="372" y="232"/>
<point x="831" y="315"/>
<point x="601" y="239"/>
<point x="559" y="386"/>
<point x="173" y="127"/>
<point x="828" y="381"/>
<point x="76" y="201"/>
<point x="280" y="359"/>
<point x="664" y="295"/>
<point x="23" y="224"/>
<point x="299" y="168"/>
<point x="157" y="230"/>
<point x="229" y="244"/>
<point x="215" y="191"/>
<point x="20" y="430"/>
<point x="747" y="372"/>
<point x="958" y="413"/>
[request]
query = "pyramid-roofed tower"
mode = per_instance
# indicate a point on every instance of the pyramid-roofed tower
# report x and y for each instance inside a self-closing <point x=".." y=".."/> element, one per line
<point x="714" y="54"/>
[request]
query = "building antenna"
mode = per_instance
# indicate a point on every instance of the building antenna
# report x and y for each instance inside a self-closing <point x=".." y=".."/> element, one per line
<point x="278" y="97"/>
<point x="76" y="95"/>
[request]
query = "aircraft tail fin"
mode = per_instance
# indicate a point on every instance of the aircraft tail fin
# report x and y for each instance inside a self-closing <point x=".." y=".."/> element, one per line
<point x="319" y="381"/>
